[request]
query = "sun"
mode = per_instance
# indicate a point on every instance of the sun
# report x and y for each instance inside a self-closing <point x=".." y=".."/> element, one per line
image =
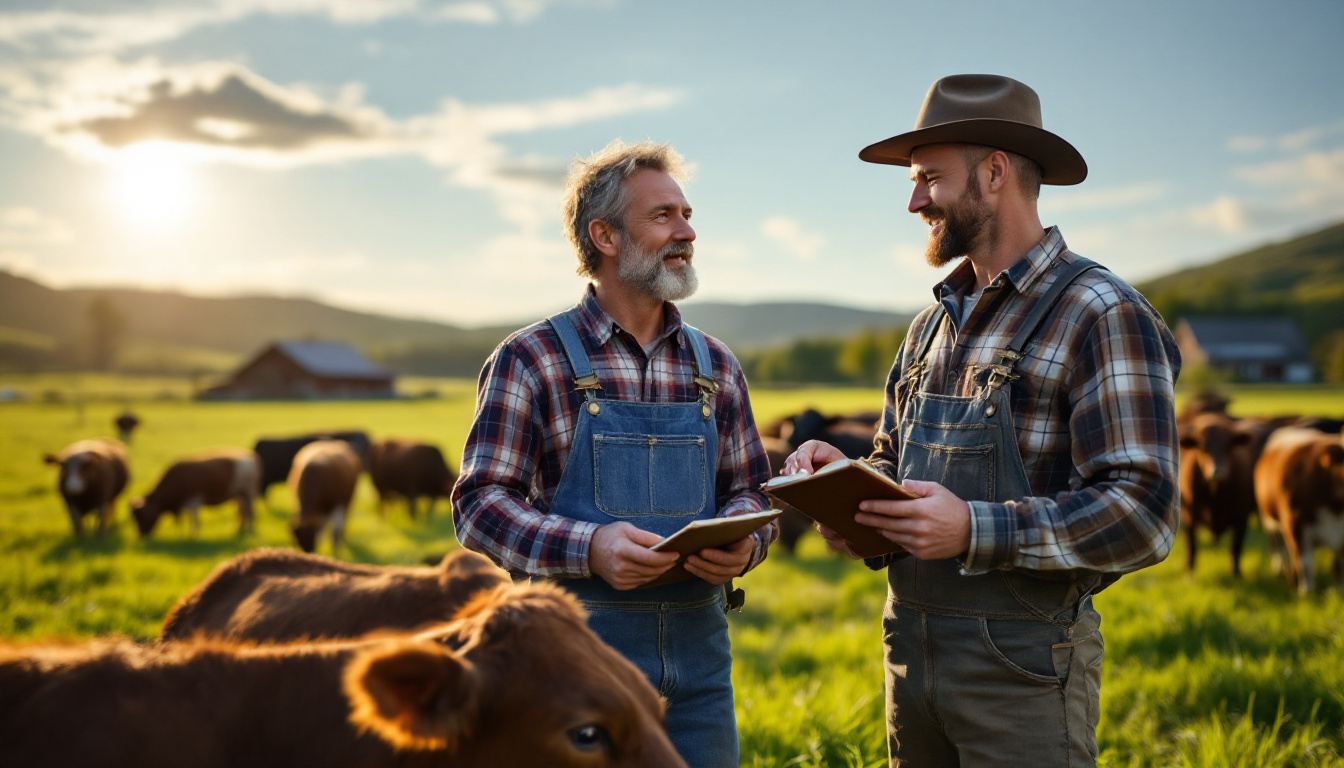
<point x="154" y="185"/>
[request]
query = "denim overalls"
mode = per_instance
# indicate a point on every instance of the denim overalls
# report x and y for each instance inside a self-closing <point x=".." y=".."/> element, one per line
<point x="995" y="669"/>
<point x="653" y="465"/>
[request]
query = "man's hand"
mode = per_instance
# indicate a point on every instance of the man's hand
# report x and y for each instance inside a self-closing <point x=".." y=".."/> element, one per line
<point x="719" y="565"/>
<point x="620" y="554"/>
<point x="811" y="456"/>
<point x="935" y="526"/>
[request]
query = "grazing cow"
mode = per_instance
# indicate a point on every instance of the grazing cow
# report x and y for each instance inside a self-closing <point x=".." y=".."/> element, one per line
<point x="126" y="424"/>
<point x="209" y="479"/>
<point x="323" y="482"/>
<point x="409" y="469"/>
<point x="282" y="595"/>
<point x="1325" y="424"/>
<point x="93" y="474"/>
<point x="1206" y="400"/>
<point x="1216" y="479"/>
<point x="277" y="453"/>
<point x="1299" y="483"/>
<point x="517" y="679"/>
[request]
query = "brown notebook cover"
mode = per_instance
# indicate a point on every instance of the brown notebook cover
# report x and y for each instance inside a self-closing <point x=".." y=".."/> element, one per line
<point x="704" y="534"/>
<point x="831" y="497"/>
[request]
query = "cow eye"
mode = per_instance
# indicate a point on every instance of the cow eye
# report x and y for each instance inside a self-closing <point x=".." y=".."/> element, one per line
<point x="589" y="737"/>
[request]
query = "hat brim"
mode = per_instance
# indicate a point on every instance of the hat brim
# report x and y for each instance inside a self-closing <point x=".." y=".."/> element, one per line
<point x="1060" y="163"/>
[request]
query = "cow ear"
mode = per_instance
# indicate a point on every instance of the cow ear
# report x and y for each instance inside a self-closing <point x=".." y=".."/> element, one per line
<point x="51" y="459"/>
<point x="414" y="695"/>
<point x="1332" y="456"/>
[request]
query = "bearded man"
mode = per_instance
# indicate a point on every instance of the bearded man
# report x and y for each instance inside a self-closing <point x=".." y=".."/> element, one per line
<point x="1031" y="411"/>
<point x="609" y="426"/>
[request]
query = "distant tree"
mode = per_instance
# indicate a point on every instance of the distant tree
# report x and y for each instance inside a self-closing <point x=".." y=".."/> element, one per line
<point x="1333" y="369"/>
<point x="866" y="358"/>
<point x="105" y="332"/>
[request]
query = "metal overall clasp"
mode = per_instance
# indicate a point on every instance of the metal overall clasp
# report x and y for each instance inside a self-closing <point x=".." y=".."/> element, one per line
<point x="1003" y="373"/>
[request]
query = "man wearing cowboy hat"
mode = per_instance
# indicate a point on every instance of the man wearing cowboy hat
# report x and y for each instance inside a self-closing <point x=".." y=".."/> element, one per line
<point x="1031" y="410"/>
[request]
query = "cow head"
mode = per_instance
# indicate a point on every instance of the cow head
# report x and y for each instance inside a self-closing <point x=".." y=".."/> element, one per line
<point x="1213" y="437"/>
<point x="529" y="684"/>
<point x="80" y="470"/>
<point x="147" y="514"/>
<point x="1331" y="460"/>
<point x="305" y="532"/>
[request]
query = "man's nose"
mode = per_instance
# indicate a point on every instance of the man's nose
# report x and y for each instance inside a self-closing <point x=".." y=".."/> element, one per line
<point x="684" y="233"/>
<point x="919" y="199"/>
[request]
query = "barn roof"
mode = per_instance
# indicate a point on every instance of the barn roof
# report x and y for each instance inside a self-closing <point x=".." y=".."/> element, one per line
<point x="331" y="358"/>
<point x="1248" y="338"/>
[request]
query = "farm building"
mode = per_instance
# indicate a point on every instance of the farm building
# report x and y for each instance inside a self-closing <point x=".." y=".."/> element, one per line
<point x="1260" y="349"/>
<point x="307" y="370"/>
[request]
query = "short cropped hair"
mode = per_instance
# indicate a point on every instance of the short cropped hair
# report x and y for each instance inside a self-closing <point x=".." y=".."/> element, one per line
<point x="1028" y="171"/>
<point x="595" y="191"/>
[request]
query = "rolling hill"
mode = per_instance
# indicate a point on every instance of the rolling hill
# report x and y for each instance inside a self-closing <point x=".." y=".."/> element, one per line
<point x="43" y="327"/>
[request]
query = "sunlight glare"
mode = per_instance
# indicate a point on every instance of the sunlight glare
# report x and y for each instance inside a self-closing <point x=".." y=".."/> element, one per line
<point x="153" y="185"/>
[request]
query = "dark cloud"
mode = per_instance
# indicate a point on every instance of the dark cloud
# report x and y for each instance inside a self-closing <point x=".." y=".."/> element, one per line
<point x="251" y="119"/>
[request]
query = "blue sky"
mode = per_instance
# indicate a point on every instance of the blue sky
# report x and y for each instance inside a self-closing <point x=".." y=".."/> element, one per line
<point x="404" y="156"/>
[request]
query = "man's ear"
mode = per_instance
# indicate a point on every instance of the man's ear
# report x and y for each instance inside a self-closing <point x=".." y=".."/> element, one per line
<point x="998" y="164"/>
<point x="605" y="237"/>
<point x="415" y="695"/>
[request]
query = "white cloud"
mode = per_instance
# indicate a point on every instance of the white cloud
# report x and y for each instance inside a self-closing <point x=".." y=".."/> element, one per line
<point x="1294" y="141"/>
<point x="18" y="262"/>
<point x="25" y="226"/>
<point x="789" y="235"/>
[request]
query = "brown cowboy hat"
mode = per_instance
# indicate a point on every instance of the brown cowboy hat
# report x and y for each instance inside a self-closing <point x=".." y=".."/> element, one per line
<point x="990" y="110"/>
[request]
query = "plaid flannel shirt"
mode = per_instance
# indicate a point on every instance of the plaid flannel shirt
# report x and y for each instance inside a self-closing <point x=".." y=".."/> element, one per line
<point x="1094" y="410"/>
<point x="526" y="414"/>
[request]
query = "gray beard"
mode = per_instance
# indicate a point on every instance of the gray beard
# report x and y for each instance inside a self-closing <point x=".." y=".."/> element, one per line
<point x="647" y="273"/>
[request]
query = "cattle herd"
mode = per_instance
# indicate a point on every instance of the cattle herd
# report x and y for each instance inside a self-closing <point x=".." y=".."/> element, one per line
<point x="321" y="469"/>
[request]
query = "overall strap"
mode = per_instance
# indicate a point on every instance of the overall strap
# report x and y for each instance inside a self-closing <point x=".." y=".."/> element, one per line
<point x="585" y="379"/>
<point x="919" y="363"/>
<point x="1001" y="374"/>
<point x="703" y="369"/>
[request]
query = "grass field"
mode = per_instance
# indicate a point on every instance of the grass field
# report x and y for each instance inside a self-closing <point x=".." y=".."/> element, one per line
<point x="1200" y="671"/>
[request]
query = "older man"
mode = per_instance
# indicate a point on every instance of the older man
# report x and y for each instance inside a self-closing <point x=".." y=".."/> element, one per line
<point x="1031" y="410"/>
<point x="602" y="429"/>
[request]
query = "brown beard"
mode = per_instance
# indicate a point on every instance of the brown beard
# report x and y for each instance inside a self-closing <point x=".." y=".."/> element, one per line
<point x="964" y="222"/>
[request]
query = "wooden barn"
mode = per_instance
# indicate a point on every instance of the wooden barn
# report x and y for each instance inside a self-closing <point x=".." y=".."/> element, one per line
<point x="1254" y="349"/>
<point x="307" y="370"/>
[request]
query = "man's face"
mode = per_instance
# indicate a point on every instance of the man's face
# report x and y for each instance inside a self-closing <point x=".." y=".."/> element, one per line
<point x="947" y="197"/>
<point x="656" y="246"/>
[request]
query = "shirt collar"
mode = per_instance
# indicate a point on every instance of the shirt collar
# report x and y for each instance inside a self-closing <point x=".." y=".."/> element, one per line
<point x="595" y="319"/>
<point x="1023" y="274"/>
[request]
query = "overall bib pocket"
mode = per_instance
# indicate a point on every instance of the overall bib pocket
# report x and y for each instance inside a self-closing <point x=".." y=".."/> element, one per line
<point x="640" y="475"/>
<point x="965" y="470"/>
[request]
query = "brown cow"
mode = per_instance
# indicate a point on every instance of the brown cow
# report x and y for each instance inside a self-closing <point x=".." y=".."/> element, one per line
<point x="517" y="679"/>
<point x="280" y="594"/>
<point x="209" y="479"/>
<point x="409" y="469"/>
<point x="323" y="483"/>
<point x="93" y="475"/>
<point x="1299" y="483"/>
<point x="1216" y="478"/>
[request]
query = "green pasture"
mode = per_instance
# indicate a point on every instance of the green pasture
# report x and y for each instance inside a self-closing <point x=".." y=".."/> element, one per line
<point x="1200" y="671"/>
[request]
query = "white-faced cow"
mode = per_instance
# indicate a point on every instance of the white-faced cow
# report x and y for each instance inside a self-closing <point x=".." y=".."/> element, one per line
<point x="323" y="483"/>
<point x="281" y="595"/>
<point x="208" y="479"/>
<point x="517" y="679"/>
<point x="1217" y="482"/>
<point x="1299" y="483"/>
<point x="410" y="470"/>
<point x="93" y="474"/>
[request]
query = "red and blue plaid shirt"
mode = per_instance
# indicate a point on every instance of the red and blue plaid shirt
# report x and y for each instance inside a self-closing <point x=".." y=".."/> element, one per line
<point x="526" y="414"/>
<point x="1094" y="410"/>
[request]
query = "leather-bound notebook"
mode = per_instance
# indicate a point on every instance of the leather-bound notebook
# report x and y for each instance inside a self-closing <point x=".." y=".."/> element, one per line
<point x="831" y="496"/>
<point x="707" y="534"/>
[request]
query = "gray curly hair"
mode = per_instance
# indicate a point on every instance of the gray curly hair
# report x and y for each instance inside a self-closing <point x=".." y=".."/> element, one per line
<point x="595" y="191"/>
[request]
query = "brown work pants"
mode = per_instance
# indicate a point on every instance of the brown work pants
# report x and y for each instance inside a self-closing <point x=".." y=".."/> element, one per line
<point x="975" y="692"/>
